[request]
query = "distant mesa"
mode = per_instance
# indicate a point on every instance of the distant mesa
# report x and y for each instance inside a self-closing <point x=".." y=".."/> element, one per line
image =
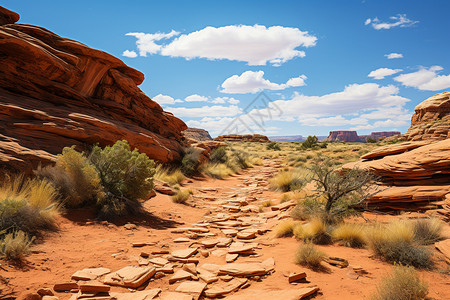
<point x="197" y="134"/>
<point x="57" y="92"/>
<point x="352" y="136"/>
<point x="288" y="138"/>
<point x="259" y="138"/>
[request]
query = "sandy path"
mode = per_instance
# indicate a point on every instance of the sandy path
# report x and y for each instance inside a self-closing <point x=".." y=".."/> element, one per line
<point x="82" y="242"/>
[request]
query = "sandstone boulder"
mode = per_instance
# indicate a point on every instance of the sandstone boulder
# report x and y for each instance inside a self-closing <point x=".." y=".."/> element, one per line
<point x="197" y="134"/>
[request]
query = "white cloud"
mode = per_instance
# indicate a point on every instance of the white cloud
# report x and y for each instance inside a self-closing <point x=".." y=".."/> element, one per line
<point x="146" y="41"/>
<point x="196" y="98"/>
<point x="332" y="121"/>
<point x="256" y="45"/>
<point x="425" y="79"/>
<point x="253" y="82"/>
<point x="227" y="125"/>
<point x="164" y="99"/>
<point x="398" y="20"/>
<point x="395" y="112"/>
<point x="128" y="53"/>
<point x="383" y="72"/>
<point x="394" y="55"/>
<point x="220" y="100"/>
<point x="212" y="111"/>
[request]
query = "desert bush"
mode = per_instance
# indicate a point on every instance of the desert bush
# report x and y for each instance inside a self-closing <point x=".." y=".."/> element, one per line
<point x="171" y="176"/>
<point x="285" y="228"/>
<point x="28" y="205"/>
<point x="266" y="203"/>
<point x="126" y="176"/>
<point x="190" y="164"/>
<point x="402" y="284"/>
<point x="290" y="180"/>
<point x="427" y="231"/>
<point x="218" y="156"/>
<point x="307" y="255"/>
<point x="371" y="140"/>
<point x="352" y="235"/>
<point x="15" y="245"/>
<point x="238" y="160"/>
<point x="182" y="196"/>
<point x="273" y="146"/>
<point x="75" y="177"/>
<point x="218" y="171"/>
<point x="395" y="244"/>
<point x="315" y="231"/>
<point x="310" y="142"/>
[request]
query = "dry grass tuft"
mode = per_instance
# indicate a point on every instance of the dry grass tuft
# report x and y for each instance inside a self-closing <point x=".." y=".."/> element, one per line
<point x="217" y="170"/>
<point x="182" y="196"/>
<point x="314" y="231"/>
<point x="427" y="231"/>
<point x="267" y="203"/>
<point x="402" y="284"/>
<point x="16" y="245"/>
<point x="353" y="235"/>
<point x="172" y="177"/>
<point x="307" y="255"/>
<point x="285" y="228"/>
<point x="290" y="180"/>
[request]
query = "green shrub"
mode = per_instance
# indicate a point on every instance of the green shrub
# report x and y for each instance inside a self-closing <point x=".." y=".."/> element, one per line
<point x="75" y="177"/>
<point x="15" y="245"/>
<point x="218" y="155"/>
<point x="307" y="255"/>
<point x="28" y="205"/>
<point x="402" y="284"/>
<point x="182" y="196"/>
<point x="238" y="160"/>
<point x="371" y="140"/>
<point x="190" y="163"/>
<point x="126" y="177"/>
<point x="311" y="142"/>
<point x="273" y="146"/>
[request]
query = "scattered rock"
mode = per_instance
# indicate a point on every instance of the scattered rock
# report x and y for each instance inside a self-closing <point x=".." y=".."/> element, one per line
<point x="336" y="261"/>
<point x="95" y="287"/>
<point x="130" y="276"/>
<point x="64" y="287"/>
<point x="174" y="296"/>
<point x="229" y="258"/>
<point x="138" y="295"/>
<point x="130" y="226"/>
<point x="195" y="289"/>
<point x="243" y="269"/>
<point x="184" y="253"/>
<point x="295" y="294"/>
<point x="221" y="289"/>
<point x="45" y="292"/>
<point x="90" y="273"/>
<point x="180" y="275"/>
<point x="293" y="277"/>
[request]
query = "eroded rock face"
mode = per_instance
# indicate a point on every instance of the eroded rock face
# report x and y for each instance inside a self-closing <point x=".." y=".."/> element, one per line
<point x="197" y="134"/>
<point x="431" y="119"/>
<point x="259" y="138"/>
<point x="56" y="92"/>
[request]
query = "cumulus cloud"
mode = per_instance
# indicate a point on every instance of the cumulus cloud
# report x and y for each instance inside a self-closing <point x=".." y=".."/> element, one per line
<point x="146" y="41"/>
<point x="400" y="20"/>
<point x="128" y="53"/>
<point x="383" y="72"/>
<point x="253" y="82"/>
<point x="212" y="111"/>
<point x="425" y="79"/>
<point x="332" y="121"/>
<point x="220" y="100"/>
<point x="196" y="98"/>
<point x="164" y="99"/>
<point x="394" y="55"/>
<point x="227" y="125"/>
<point x="256" y="45"/>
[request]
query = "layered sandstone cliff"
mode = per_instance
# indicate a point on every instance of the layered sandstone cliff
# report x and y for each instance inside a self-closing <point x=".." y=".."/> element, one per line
<point x="57" y="92"/>
<point x="197" y="134"/>
<point x="343" y="136"/>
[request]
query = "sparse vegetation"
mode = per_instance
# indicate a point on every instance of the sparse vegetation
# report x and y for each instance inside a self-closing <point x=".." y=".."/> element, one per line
<point x="290" y="180"/>
<point x="285" y="228"/>
<point x="266" y="203"/>
<point x="395" y="244"/>
<point x="273" y="146"/>
<point x="402" y="284"/>
<point x="15" y="245"/>
<point x="427" y="231"/>
<point x="352" y="235"/>
<point x="172" y="176"/>
<point x="76" y="179"/>
<point x="182" y="196"/>
<point x="371" y="140"/>
<point x="315" y="232"/>
<point x="307" y="255"/>
<point x="190" y="164"/>
<point x="310" y="142"/>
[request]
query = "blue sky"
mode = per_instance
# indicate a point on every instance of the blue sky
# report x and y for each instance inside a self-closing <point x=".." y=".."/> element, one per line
<point x="325" y="65"/>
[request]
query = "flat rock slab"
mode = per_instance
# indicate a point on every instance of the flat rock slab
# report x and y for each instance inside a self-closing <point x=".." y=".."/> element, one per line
<point x="243" y="269"/>
<point x="195" y="289"/>
<point x="180" y="275"/>
<point x="209" y="243"/>
<point x="93" y="287"/>
<point x="158" y="261"/>
<point x="181" y="240"/>
<point x="247" y="234"/>
<point x="221" y="289"/>
<point x="295" y="294"/>
<point x="174" y="296"/>
<point x="139" y="295"/>
<point x="229" y="258"/>
<point x="90" y="273"/>
<point x="283" y="206"/>
<point x="130" y="276"/>
<point x="293" y="277"/>
<point x="184" y="253"/>
<point x="65" y="286"/>
<point x="191" y="229"/>
<point x="241" y="248"/>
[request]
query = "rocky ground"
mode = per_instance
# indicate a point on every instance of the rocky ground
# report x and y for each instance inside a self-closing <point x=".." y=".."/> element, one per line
<point x="220" y="245"/>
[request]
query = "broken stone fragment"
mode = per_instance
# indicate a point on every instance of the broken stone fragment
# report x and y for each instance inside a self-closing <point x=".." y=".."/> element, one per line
<point x="184" y="253"/>
<point x="294" y="294"/>
<point x="139" y="295"/>
<point x="130" y="276"/>
<point x="195" y="289"/>
<point x="180" y="275"/>
<point x="221" y="289"/>
<point x="90" y="273"/>
<point x="95" y="287"/>
<point x="293" y="277"/>
<point x="64" y="287"/>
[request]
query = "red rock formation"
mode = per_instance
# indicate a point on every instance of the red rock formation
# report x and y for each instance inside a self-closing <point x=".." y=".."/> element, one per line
<point x="343" y="136"/>
<point x="197" y="134"/>
<point x="378" y="135"/>
<point x="431" y="119"/>
<point x="417" y="172"/>
<point x="56" y="92"/>
<point x="259" y="138"/>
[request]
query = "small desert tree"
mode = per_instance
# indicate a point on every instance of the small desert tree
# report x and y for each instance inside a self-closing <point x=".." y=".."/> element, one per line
<point x="343" y="188"/>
